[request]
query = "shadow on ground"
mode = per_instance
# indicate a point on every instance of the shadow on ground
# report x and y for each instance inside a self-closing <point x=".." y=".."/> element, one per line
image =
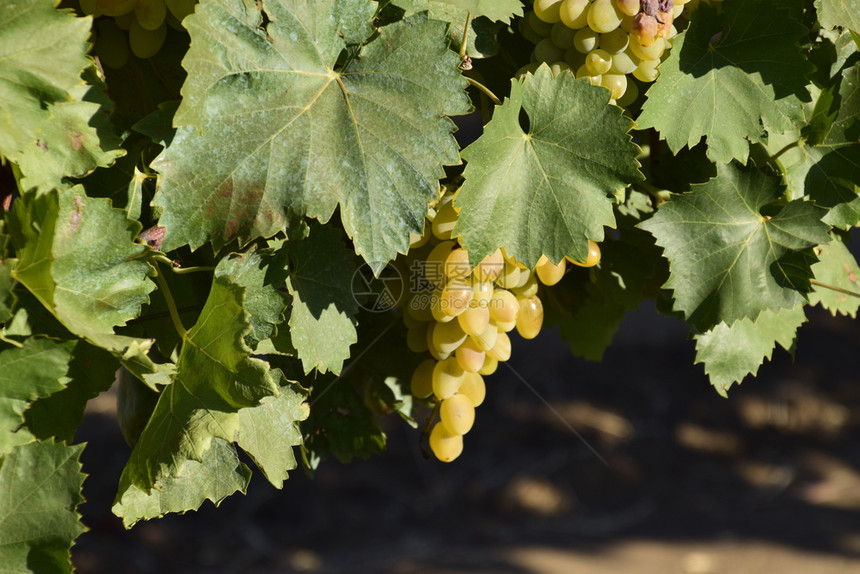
<point x="687" y="482"/>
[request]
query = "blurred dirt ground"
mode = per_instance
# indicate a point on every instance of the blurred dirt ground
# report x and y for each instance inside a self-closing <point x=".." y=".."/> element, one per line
<point x="767" y="481"/>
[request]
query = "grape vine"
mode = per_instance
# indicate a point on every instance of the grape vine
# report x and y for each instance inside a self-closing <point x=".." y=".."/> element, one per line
<point x="272" y="223"/>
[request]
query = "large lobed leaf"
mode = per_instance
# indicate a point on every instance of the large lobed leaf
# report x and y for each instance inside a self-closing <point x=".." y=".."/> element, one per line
<point x="77" y="255"/>
<point x="548" y="189"/>
<point x="731" y="352"/>
<point x="215" y="378"/>
<point x="275" y="127"/>
<point x="50" y="122"/>
<point x="728" y="74"/>
<point x="727" y="259"/>
<point x="41" y="489"/>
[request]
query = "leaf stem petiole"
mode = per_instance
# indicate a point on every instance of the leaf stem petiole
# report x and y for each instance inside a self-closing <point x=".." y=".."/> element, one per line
<point x="484" y="89"/>
<point x="464" y="43"/>
<point x="171" y="304"/>
<point x="785" y="148"/>
<point x="834" y="288"/>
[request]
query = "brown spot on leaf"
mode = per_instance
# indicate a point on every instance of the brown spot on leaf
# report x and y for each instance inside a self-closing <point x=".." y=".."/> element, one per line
<point x="41" y="145"/>
<point x="77" y="212"/>
<point x="78" y="141"/>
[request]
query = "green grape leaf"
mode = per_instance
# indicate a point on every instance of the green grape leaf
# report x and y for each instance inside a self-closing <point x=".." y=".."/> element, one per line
<point x="730" y="353"/>
<point x="219" y="475"/>
<point x="547" y="189"/>
<point x="322" y="320"/>
<point x="456" y="10"/>
<point x="837" y="268"/>
<point x="38" y="507"/>
<point x="215" y="377"/>
<point x="51" y="123"/>
<point x="7" y="282"/>
<point x="295" y="134"/>
<point x="728" y="74"/>
<point x="826" y="164"/>
<point x="76" y="139"/>
<point x="842" y="13"/>
<point x="77" y="255"/>
<point x="36" y="369"/>
<point x="262" y="272"/>
<point x="269" y="431"/>
<point x="728" y="259"/>
<point x="91" y="371"/>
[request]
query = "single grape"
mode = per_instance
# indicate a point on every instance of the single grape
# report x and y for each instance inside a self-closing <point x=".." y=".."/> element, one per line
<point x="547" y="51"/>
<point x="593" y="257"/>
<point x="111" y="45"/>
<point x="562" y="36"/>
<point x="504" y="306"/>
<point x="505" y="326"/>
<point x="487" y="339"/>
<point x="628" y="7"/>
<point x="483" y="292"/>
<point x="510" y="275"/>
<point x="529" y="288"/>
<point x="456" y="297"/>
<point x="474" y="320"/>
<point x="490" y="366"/>
<point x="434" y="265"/>
<point x="574" y="58"/>
<point x="457" y="414"/>
<point x="447" y="378"/>
<point x="501" y="350"/>
<point x="615" y="83"/>
<point x="583" y="72"/>
<point x="90" y="8"/>
<point x="115" y="7"/>
<point x="146" y="43"/>
<point x="474" y="388"/>
<point x="490" y="267"/>
<point x="150" y="13"/>
<point x="598" y="61"/>
<point x="548" y="10"/>
<point x="469" y="356"/>
<point x="548" y="272"/>
<point x="527" y="31"/>
<point x="630" y="95"/>
<point x="419" y="308"/>
<point x="446" y="218"/>
<point x="421" y="384"/>
<point x="457" y="264"/>
<point x="530" y="317"/>
<point x="180" y="8"/>
<point x="416" y="338"/>
<point x="436" y="310"/>
<point x="622" y="63"/>
<point x="647" y="71"/>
<point x="614" y="41"/>
<point x="651" y="52"/>
<point x="585" y="40"/>
<point x="445" y="445"/>
<point x="604" y="16"/>
<point x="446" y="337"/>
<point x="644" y="30"/>
<point x="574" y="13"/>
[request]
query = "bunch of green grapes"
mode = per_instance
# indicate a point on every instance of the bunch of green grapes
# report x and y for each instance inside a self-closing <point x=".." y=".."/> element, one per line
<point x="137" y="24"/>
<point x="461" y="318"/>
<point x="603" y="40"/>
